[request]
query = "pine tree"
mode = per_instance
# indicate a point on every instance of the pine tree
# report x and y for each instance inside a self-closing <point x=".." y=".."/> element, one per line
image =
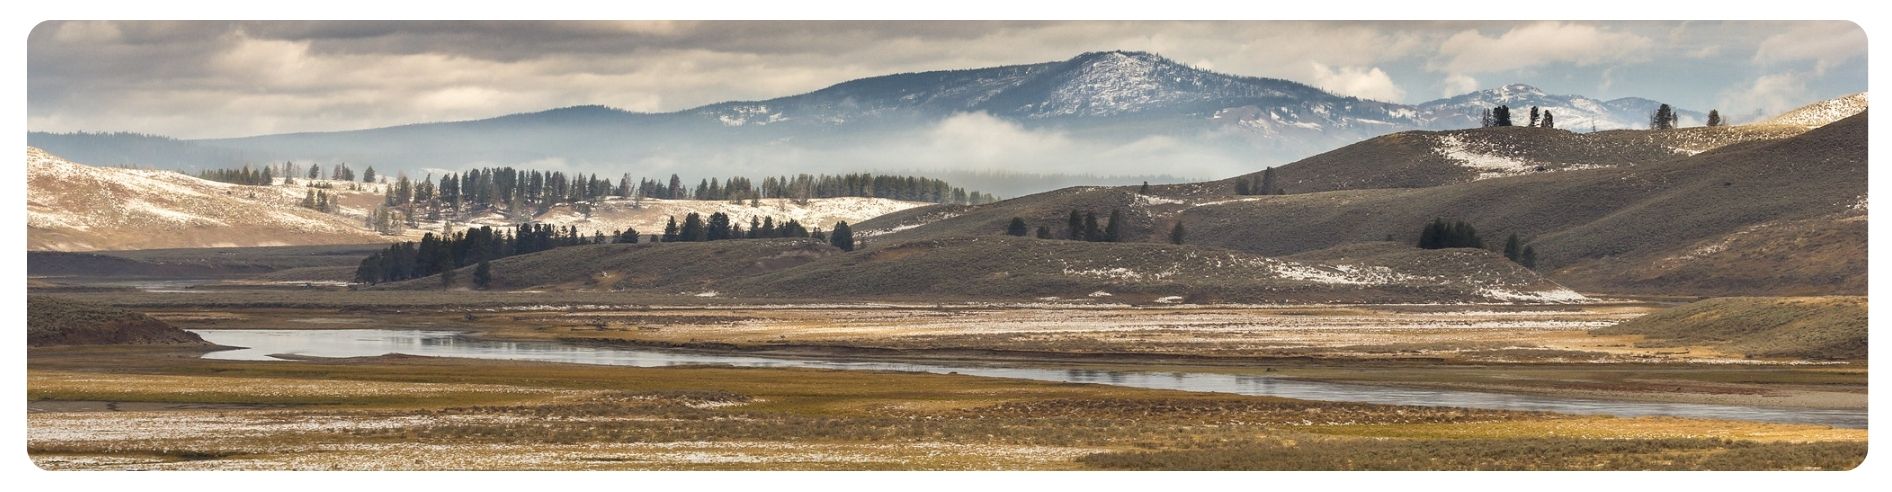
<point x="483" y="274"/>
<point x="1512" y="250"/>
<point x="1547" y="120"/>
<point x="1075" y="227"/>
<point x="1528" y="258"/>
<point x="1145" y="190"/>
<point x="1268" y="184"/>
<point x="315" y="171"/>
<point x="670" y="230"/>
<point x="842" y="237"/>
<point x="367" y="175"/>
<point x="1017" y="227"/>
<point x="1176" y="234"/>
<point x="1488" y="120"/>
<point x="1114" y="231"/>
<point x="1501" y="116"/>
<point x="1044" y="232"/>
<point x="693" y="229"/>
<point x="1241" y="186"/>
<point x="1714" y="117"/>
<point x="1534" y="116"/>
<point x="1664" y="118"/>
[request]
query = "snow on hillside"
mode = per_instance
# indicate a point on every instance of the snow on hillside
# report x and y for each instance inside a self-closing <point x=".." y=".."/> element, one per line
<point x="1823" y="112"/>
<point x="72" y="206"/>
<point x="649" y="215"/>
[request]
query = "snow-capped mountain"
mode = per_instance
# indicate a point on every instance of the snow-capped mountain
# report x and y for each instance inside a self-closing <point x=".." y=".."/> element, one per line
<point x="1572" y="112"/>
<point x="1112" y="112"/>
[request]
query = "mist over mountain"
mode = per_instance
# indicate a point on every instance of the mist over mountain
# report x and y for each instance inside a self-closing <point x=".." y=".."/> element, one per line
<point x="1134" y="115"/>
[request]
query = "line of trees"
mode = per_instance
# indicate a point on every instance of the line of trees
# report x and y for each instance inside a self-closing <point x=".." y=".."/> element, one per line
<point x="1501" y="116"/>
<point x="717" y="226"/>
<point x="803" y="187"/>
<point x="441" y="254"/>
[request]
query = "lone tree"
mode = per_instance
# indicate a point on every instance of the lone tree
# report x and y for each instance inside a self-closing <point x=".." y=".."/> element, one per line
<point x="1268" y="184"/>
<point x="1714" y="118"/>
<point x="1535" y="115"/>
<point x="483" y="274"/>
<point x="842" y="237"/>
<point x="1091" y="230"/>
<point x="1547" y="121"/>
<point x="1017" y="228"/>
<point x="1663" y="118"/>
<point x="1528" y="258"/>
<point x="1176" y="234"/>
<point x="1501" y="116"/>
<point x="1145" y="190"/>
<point x="1044" y="232"/>
<point x="1512" y="249"/>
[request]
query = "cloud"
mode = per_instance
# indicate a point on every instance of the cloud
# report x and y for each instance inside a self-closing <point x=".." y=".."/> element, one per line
<point x="1824" y="43"/>
<point x="1541" y="43"/>
<point x="1765" y="97"/>
<point x="1456" y="84"/>
<point x="1367" y="83"/>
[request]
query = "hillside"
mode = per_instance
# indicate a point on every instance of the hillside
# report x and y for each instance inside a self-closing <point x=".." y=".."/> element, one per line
<point x="1823" y="112"/>
<point x="75" y="207"/>
<point x="52" y="321"/>
<point x="1799" y="328"/>
<point x="1768" y="216"/>
<point x="1008" y="269"/>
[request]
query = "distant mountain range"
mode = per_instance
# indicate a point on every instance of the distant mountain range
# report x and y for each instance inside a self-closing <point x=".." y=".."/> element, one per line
<point x="1101" y="113"/>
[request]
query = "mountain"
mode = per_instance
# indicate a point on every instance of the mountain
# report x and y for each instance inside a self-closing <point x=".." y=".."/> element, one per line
<point x="1101" y="113"/>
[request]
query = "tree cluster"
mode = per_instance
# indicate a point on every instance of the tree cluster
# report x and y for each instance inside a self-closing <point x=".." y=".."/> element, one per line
<point x="1458" y="234"/>
<point x="1085" y="227"/>
<point x="437" y="254"/>
<point x="1520" y="253"/>
<point x="1663" y="118"/>
<point x="803" y="187"/>
<point x="243" y="176"/>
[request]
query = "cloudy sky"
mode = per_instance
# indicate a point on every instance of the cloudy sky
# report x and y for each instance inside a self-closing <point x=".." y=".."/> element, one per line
<point x="222" y="79"/>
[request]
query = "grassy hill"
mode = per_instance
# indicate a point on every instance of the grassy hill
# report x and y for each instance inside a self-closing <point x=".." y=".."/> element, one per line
<point x="52" y="321"/>
<point x="1801" y="328"/>
<point x="1010" y="269"/>
<point x="1681" y="226"/>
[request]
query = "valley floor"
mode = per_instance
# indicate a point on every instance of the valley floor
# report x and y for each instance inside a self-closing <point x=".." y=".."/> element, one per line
<point x="141" y="408"/>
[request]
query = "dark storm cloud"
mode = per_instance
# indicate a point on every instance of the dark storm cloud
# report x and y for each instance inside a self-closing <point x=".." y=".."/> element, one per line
<point x="200" y="79"/>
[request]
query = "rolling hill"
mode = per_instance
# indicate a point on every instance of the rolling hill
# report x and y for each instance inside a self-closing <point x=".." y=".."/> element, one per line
<point x="1759" y="216"/>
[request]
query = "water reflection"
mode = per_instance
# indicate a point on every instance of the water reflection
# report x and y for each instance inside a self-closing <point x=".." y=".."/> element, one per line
<point x="261" y="344"/>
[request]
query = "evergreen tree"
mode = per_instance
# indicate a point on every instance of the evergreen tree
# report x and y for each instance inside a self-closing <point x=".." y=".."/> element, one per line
<point x="1714" y="117"/>
<point x="1114" y="231"/>
<point x="1017" y="227"/>
<point x="1512" y="250"/>
<point x="1268" y="184"/>
<point x="670" y="230"/>
<point x="1534" y="116"/>
<point x="693" y="230"/>
<point x="1501" y="116"/>
<point x="1528" y="258"/>
<point x="1075" y="227"/>
<point x="1044" y="232"/>
<point x="315" y="171"/>
<point x="483" y="274"/>
<point x="1242" y="187"/>
<point x="1439" y="235"/>
<point x="1548" y="123"/>
<point x="842" y="237"/>
<point x="1487" y="120"/>
<point x="1663" y="118"/>
<point x="367" y="175"/>
<point x="1145" y="189"/>
<point x="1176" y="233"/>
